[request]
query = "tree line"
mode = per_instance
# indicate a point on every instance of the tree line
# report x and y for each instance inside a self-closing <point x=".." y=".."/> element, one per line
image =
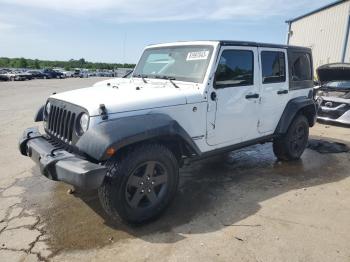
<point x="6" y="62"/>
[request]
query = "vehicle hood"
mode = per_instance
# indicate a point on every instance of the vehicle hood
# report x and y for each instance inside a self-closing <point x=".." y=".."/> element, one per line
<point x="336" y="99"/>
<point x="129" y="97"/>
<point x="113" y="82"/>
<point x="333" y="72"/>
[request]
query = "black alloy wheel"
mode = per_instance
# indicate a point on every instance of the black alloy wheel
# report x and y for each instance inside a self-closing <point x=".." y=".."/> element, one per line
<point x="140" y="183"/>
<point x="146" y="185"/>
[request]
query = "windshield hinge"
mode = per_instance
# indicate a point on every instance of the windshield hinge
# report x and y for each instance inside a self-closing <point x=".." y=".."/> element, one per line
<point x="103" y="112"/>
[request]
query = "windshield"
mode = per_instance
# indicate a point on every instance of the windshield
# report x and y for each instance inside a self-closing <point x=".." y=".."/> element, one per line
<point x="184" y="63"/>
<point x="338" y="85"/>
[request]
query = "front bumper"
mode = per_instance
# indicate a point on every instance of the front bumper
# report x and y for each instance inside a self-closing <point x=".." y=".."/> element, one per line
<point x="58" y="164"/>
<point x="332" y="115"/>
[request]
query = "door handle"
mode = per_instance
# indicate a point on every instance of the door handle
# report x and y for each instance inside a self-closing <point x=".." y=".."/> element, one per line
<point x="282" y="92"/>
<point x="251" y="96"/>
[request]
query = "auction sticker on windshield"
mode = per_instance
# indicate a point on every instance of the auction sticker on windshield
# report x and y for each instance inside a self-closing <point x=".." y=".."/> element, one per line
<point x="198" y="55"/>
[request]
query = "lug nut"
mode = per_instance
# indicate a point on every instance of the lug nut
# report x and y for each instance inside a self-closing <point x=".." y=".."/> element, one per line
<point x="152" y="182"/>
<point x="149" y="190"/>
<point x="142" y="191"/>
<point x="141" y="183"/>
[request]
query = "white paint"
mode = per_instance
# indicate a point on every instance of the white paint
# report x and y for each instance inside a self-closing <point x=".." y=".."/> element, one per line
<point x="272" y="104"/>
<point x="230" y="119"/>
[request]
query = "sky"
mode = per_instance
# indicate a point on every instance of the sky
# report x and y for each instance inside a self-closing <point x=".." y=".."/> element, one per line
<point x="118" y="30"/>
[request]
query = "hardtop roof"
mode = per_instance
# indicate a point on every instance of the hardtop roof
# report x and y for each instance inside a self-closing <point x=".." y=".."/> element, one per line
<point x="234" y="43"/>
<point x="257" y="44"/>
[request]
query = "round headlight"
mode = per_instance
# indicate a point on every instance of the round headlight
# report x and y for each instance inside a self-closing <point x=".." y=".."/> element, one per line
<point x="48" y="108"/>
<point x="84" y="122"/>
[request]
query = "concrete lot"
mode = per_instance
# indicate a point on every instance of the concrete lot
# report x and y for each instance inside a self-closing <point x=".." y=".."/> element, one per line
<point x="243" y="206"/>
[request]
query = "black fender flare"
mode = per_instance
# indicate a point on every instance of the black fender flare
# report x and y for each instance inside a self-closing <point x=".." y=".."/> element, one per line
<point x="39" y="116"/>
<point x="293" y="107"/>
<point x="121" y="132"/>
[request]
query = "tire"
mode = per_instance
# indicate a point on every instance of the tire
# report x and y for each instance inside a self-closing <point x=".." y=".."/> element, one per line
<point x="291" y="145"/>
<point x="140" y="185"/>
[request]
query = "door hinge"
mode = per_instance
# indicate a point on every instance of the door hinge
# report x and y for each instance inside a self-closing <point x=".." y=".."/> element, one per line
<point x="209" y="107"/>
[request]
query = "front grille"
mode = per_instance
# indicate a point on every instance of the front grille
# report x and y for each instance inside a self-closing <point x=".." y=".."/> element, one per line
<point x="330" y="104"/>
<point x="61" y="123"/>
<point x="328" y="109"/>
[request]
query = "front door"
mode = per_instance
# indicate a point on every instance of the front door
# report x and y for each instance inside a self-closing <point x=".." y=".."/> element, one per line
<point x="233" y="100"/>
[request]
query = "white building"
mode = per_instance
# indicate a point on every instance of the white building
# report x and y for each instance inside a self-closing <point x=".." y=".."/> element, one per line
<point x="325" y="31"/>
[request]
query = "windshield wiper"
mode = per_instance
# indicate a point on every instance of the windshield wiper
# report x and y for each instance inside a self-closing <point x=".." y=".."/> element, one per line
<point x="142" y="77"/>
<point x="170" y="78"/>
<point x="171" y="81"/>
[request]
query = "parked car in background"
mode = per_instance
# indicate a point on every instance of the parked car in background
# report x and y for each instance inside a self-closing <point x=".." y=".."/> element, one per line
<point x="3" y="77"/>
<point x="76" y="73"/>
<point x="52" y="73"/>
<point x="64" y="72"/>
<point x="84" y="73"/>
<point x="16" y="75"/>
<point x="105" y="73"/>
<point x="115" y="82"/>
<point x="37" y="74"/>
<point x="92" y="74"/>
<point x="333" y="93"/>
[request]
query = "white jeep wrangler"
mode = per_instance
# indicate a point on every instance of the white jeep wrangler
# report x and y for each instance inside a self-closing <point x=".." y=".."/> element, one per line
<point x="185" y="100"/>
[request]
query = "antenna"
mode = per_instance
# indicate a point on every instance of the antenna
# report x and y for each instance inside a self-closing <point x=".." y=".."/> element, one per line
<point x="124" y="43"/>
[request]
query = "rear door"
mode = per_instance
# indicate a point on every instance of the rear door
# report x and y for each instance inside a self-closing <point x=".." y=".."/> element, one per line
<point x="274" y="94"/>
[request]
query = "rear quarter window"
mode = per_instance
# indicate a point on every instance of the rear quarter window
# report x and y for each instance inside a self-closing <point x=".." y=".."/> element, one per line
<point x="300" y="70"/>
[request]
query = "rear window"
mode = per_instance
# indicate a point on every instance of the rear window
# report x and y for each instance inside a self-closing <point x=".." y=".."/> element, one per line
<point x="273" y="67"/>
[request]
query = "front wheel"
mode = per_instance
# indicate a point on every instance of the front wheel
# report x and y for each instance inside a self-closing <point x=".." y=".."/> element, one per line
<point x="139" y="186"/>
<point x="291" y="145"/>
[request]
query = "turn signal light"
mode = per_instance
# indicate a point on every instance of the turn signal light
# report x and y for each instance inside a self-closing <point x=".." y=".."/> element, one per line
<point x="110" y="151"/>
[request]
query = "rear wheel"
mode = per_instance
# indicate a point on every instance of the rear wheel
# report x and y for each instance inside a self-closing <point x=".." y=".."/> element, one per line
<point x="291" y="145"/>
<point x="139" y="186"/>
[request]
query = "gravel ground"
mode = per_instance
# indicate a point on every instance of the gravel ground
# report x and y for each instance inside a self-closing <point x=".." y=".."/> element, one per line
<point x="243" y="206"/>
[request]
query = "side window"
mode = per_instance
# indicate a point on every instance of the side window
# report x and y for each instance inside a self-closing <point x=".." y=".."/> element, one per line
<point x="273" y="67"/>
<point x="236" y="68"/>
<point x="301" y="67"/>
